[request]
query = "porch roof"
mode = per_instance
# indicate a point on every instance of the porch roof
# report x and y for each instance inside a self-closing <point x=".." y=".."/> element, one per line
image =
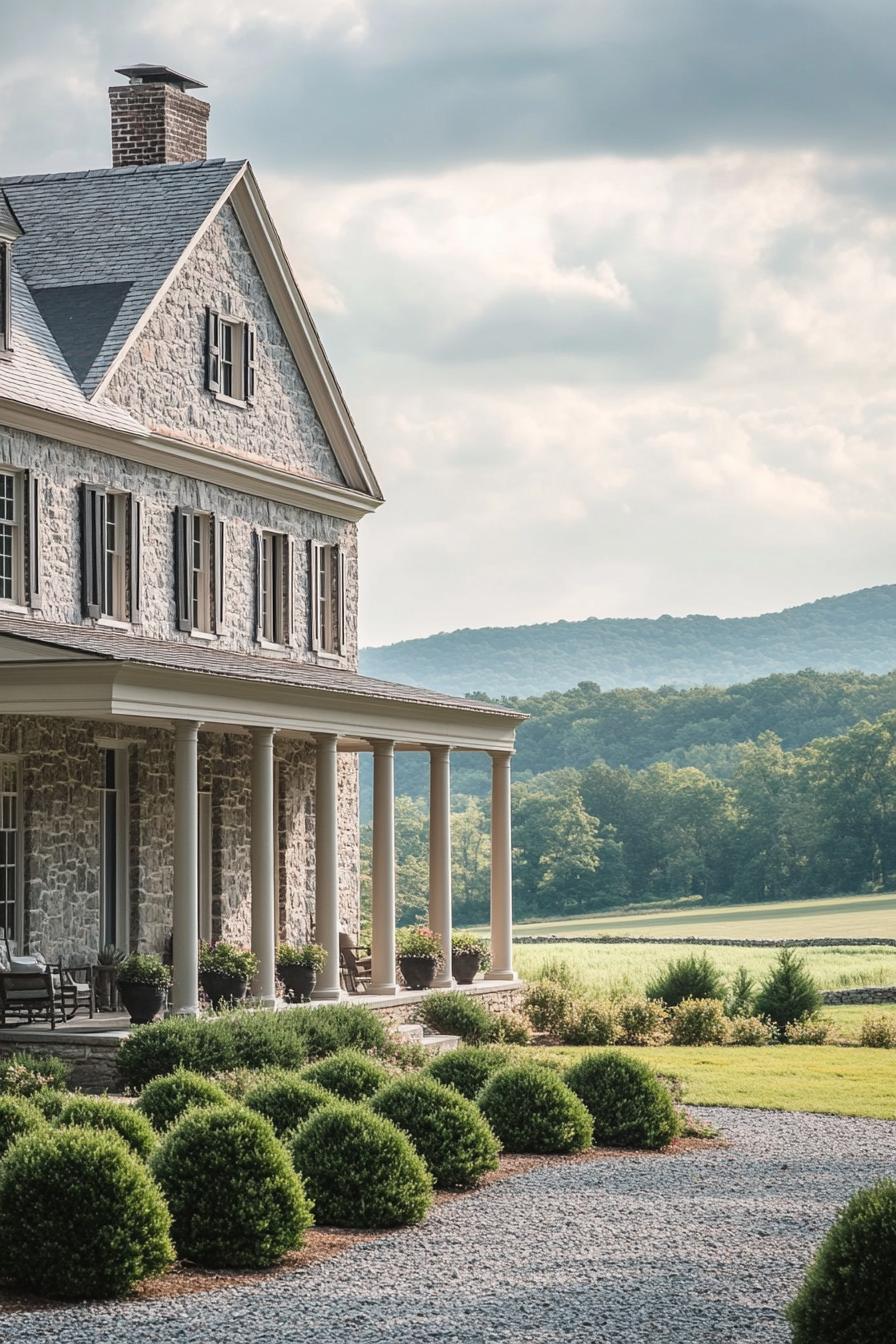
<point x="75" y="671"/>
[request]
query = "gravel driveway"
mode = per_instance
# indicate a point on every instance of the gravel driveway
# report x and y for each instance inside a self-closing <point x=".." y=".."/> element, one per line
<point x="704" y="1248"/>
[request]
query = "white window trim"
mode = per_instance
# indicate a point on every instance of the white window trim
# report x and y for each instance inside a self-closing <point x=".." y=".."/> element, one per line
<point x="117" y="598"/>
<point x="237" y="364"/>
<point x="204" y="573"/>
<point x="9" y="758"/>
<point x="17" y="603"/>
<point x="274" y="547"/>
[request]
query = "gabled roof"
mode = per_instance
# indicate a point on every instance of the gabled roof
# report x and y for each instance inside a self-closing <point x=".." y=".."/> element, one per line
<point x="9" y="225"/>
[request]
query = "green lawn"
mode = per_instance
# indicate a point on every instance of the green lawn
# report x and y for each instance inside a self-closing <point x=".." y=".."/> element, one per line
<point x="828" y="917"/>
<point x="832" y="1080"/>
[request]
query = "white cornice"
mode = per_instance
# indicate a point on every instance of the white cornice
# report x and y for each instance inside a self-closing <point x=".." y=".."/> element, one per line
<point x="197" y="461"/>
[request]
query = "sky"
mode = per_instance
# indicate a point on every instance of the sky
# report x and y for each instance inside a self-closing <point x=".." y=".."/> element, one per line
<point x="610" y="285"/>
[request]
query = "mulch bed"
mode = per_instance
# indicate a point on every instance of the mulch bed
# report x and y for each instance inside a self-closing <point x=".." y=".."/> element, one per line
<point x="322" y="1243"/>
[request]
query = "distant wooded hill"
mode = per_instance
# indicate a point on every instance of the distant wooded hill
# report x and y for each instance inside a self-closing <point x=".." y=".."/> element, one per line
<point x="857" y="630"/>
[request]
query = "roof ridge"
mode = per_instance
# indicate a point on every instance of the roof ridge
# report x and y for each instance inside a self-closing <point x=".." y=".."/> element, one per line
<point x="78" y="175"/>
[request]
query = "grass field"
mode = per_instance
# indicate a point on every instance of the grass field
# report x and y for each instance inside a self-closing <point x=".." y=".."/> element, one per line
<point x="831" y="1080"/>
<point x="831" y="917"/>
<point x="613" y="967"/>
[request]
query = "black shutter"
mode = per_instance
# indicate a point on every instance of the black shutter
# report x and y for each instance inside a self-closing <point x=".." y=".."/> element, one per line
<point x="212" y="351"/>
<point x="183" y="525"/>
<point x="135" y="558"/>
<point x="259" y="605"/>
<point x="93" y="570"/>
<point x="289" y="594"/>
<point x="5" y="298"/>
<point x="33" y="490"/>
<point x="314" y="631"/>
<point x="249" y="361"/>
<point x="219" y="543"/>
<point x="340" y="599"/>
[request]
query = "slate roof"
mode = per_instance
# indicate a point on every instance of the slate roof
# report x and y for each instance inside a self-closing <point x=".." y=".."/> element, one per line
<point x="121" y="647"/>
<point x="99" y="244"/>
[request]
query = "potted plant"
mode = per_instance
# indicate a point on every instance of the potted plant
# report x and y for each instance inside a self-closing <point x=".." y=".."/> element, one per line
<point x="469" y="954"/>
<point x="225" y="972"/>
<point x="297" y="966"/>
<point x="143" y="981"/>
<point x="108" y="959"/>
<point x="419" y="954"/>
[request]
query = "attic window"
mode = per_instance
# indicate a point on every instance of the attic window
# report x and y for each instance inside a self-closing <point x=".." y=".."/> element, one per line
<point x="5" y="299"/>
<point x="230" y="358"/>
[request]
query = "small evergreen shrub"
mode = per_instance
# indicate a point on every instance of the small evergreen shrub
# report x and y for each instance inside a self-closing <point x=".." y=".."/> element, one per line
<point x="235" y="1199"/>
<point x="469" y="1068"/>
<point x="339" y="1026"/>
<point x="788" y="993"/>
<point x="454" y="1013"/>
<point x="286" y="1100"/>
<point x="550" y="1006"/>
<point x="698" y="1022"/>
<point x="258" y="1040"/>
<point x="80" y="1215"/>
<point x="641" y="1021"/>
<point x="878" y="1032"/>
<point x="104" y="1113"/>
<point x="359" y="1169"/>
<point x="562" y="973"/>
<point x="532" y="1110"/>
<point x="741" y="994"/>
<point x="809" y="1031"/>
<point x="511" y="1028"/>
<point x="17" y="1117"/>
<point x="849" y="1292"/>
<point x="166" y="1099"/>
<point x="49" y="1101"/>
<point x="449" y="1132"/>
<point x="592" y="1023"/>
<point x="690" y="977"/>
<point x="348" y="1074"/>
<point x="174" y="1043"/>
<point x="628" y="1104"/>
<point x="750" y="1031"/>
<point x="23" y="1075"/>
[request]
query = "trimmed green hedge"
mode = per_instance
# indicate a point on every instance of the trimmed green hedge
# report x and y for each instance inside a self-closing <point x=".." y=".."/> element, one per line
<point x="454" y="1013"/>
<point x="630" y="1107"/>
<point x="286" y="1100"/>
<point x="235" y="1199"/>
<point x="80" y="1215"/>
<point x="17" y="1117"/>
<point x="449" y="1132"/>
<point x="104" y="1113"/>
<point x="359" y="1169"/>
<point x="468" y="1068"/>
<point x="348" y="1074"/>
<point x="533" y="1111"/>
<point x="166" y="1099"/>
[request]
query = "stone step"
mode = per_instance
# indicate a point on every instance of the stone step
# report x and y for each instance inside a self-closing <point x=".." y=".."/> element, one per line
<point x="436" y="1044"/>
<point x="409" y="1033"/>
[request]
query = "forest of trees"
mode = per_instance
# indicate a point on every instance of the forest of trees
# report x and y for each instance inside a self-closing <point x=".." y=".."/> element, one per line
<point x="812" y="819"/>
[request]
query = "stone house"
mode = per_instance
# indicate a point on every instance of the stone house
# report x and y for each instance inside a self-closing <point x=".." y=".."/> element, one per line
<point x="181" y="484"/>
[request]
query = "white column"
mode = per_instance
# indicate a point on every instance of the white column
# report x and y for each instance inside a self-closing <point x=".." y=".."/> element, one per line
<point x="264" y="918"/>
<point x="382" y="968"/>
<point x="501" y="894"/>
<point x="185" y="937"/>
<point x="326" y="877"/>
<point x="440" y="857"/>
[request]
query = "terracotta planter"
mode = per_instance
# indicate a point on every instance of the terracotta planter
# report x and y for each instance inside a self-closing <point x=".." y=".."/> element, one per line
<point x="142" y="1002"/>
<point x="418" y="972"/>
<point x="298" y="982"/>
<point x="223" y="990"/>
<point x="464" y="966"/>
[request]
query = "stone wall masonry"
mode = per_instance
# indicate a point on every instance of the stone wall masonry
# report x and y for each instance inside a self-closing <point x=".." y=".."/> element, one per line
<point x="869" y="994"/>
<point x="162" y="379"/>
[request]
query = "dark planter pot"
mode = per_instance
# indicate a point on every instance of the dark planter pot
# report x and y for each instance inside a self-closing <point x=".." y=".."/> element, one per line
<point x="142" y="1002"/>
<point x="223" y="990"/>
<point x="464" y="966"/>
<point x="418" y="972"/>
<point x="298" y="982"/>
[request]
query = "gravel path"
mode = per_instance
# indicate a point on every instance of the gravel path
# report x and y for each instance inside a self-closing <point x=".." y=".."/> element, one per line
<point x="704" y="1248"/>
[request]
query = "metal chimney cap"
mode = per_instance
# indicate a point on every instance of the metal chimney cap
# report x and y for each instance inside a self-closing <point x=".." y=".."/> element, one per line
<point x="158" y="74"/>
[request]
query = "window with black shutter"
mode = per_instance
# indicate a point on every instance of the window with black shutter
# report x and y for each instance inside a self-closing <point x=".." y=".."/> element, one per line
<point x="110" y="554"/>
<point x="274" y="565"/>
<point x="230" y="358"/>
<point x="197" y="579"/>
<point x="326" y="598"/>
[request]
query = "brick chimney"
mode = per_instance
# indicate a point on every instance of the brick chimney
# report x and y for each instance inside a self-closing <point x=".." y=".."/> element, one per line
<point x="154" y="119"/>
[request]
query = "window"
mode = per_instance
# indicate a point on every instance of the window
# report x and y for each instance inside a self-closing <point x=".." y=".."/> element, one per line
<point x="273" y="587"/>
<point x="5" y="299"/>
<point x="111" y="554"/>
<point x="11" y="537"/>
<point x="199" y="571"/>
<point x="114" y="847"/>
<point x="326" y="598"/>
<point x="230" y="358"/>
<point x="9" y="848"/>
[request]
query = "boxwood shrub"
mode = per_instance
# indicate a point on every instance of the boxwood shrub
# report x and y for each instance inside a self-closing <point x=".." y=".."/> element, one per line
<point x="80" y="1216"/>
<point x="17" y="1117"/>
<point x="849" y="1292"/>
<point x="176" y="1042"/>
<point x="468" y="1068"/>
<point x="449" y="1132"/>
<point x="359" y="1169"/>
<point x="339" y="1026"/>
<point x="630" y="1107"/>
<point x="166" y="1099"/>
<point x="533" y="1111"/>
<point x="349" y="1074"/>
<point x="457" y="1014"/>
<point x="235" y="1199"/>
<point x="286" y="1099"/>
<point x="104" y="1113"/>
